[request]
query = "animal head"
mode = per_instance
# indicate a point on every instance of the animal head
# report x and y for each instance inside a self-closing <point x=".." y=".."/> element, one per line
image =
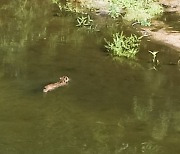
<point x="64" y="79"/>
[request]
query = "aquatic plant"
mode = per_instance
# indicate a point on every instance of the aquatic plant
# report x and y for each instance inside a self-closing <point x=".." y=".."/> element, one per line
<point x="15" y="40"/>
<point x="70" y="8"/>
<point x="143" y="110"/>
<point x="154" y="55"/>
<point x="150" y="147"/>
<point x="55" y="1"/>
<point x="124" y="46"/>
<point x="160" y="128"/>
<point x="65" y="7"/>
<point x="84" y="21"/>
<point x="155" y="61"/>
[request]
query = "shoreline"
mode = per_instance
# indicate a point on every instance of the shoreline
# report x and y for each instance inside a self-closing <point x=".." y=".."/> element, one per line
<point x="163" y="35"/>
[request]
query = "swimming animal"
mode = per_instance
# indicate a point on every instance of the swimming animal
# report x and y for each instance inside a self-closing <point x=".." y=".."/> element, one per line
<point x="63" y="81"/>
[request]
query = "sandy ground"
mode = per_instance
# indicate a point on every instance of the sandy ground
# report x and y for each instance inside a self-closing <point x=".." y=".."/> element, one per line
<point x="167" y="37"/>
<point x="171" y="5"/>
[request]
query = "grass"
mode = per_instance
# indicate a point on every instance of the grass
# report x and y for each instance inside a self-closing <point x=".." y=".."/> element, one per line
<point x="68" y="7"/>
<point x="141" y="11"/>
<point x="138" y="11"/>
<point x="123" y="46"/>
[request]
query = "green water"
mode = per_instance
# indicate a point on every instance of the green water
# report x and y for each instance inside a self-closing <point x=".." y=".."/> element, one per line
<point x="109" y="107"/>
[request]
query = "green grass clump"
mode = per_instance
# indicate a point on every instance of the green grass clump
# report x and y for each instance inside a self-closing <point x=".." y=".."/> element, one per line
<point x="141" y="11"/>
<point x="123" y="46"/>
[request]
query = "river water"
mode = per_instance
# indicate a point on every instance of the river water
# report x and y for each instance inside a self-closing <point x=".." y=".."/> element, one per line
<point x="108" y="107"/>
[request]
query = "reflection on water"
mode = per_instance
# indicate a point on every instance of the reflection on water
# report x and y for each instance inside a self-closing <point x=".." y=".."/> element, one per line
<point x="143" y="112"/>
<point x="20" y="27"/>
<point x="108" y="107"/>
<point x="172" y="19"/>
<point x="160" y="129"/>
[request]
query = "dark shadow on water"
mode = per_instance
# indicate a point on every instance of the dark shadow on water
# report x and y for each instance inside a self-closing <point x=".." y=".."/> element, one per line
<point x="172" y="19"/>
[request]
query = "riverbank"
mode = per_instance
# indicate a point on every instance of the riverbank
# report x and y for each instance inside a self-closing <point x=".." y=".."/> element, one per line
<point x="158" y="31"/>
<point x="166" y="34"/>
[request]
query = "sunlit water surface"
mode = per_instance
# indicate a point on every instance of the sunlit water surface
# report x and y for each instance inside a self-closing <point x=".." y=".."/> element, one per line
<point x="108" y="107"/>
